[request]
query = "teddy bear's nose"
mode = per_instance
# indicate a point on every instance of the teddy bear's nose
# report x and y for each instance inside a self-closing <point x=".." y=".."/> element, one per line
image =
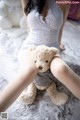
<point x="40" y="67"/>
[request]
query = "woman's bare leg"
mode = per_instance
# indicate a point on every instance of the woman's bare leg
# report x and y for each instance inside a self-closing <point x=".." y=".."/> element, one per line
<point x="14" y="88"/>
<point x="66" y="76"/>
<point x="65" y="9"/>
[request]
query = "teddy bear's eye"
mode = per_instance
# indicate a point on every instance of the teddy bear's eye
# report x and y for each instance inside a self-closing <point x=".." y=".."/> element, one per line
<point x="46" y="61"/>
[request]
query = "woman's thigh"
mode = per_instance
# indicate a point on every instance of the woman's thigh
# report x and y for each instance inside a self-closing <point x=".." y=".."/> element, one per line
<point x="58" y="66"/>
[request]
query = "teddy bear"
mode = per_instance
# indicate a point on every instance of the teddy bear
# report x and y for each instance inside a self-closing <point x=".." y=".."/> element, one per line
<point x="42" y="55"/>
<point x="11" y="14"/>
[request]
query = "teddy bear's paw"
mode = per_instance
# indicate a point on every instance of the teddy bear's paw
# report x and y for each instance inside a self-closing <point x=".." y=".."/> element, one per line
<point x="27" y="98"/>
<point x="59" y="99"/>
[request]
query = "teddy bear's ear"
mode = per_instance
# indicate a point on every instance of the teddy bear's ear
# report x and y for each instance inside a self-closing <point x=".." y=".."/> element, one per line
<point x="32" y="48"/>
<point x="54" y="50"/>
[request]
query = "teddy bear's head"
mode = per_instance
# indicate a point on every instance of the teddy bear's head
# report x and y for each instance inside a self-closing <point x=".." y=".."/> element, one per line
<point x="42" y="56"/>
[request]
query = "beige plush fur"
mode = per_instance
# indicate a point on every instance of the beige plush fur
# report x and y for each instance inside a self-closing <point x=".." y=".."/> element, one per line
<point x="42" y="56"/>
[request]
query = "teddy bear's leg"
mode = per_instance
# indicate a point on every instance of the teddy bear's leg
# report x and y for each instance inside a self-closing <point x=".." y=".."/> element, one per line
<point x="58" y="98"/>
<point x="28" y="96"/>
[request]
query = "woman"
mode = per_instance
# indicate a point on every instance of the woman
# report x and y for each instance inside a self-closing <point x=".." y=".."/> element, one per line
<point x="44" y="19"/>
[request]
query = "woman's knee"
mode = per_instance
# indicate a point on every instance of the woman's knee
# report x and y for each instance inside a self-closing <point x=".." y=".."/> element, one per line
<point x="58" y="67"/>
<point x="26" y="64"/>
<point x="33" y="69"/>
<point x="29" y="69"/>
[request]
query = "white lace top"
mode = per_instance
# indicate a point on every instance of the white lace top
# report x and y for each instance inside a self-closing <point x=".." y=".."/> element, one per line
<point x="44" y="32"/>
